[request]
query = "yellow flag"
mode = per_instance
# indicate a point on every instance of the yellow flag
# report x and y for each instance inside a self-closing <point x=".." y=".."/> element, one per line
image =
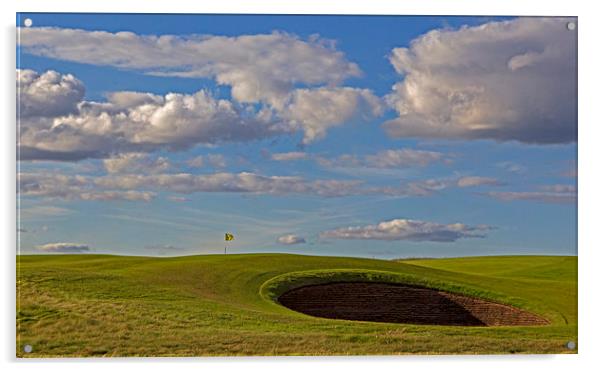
<point x="229" y="237"/>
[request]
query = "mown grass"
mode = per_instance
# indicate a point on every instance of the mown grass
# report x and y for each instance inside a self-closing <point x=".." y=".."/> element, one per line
<point x="100" y="305"/>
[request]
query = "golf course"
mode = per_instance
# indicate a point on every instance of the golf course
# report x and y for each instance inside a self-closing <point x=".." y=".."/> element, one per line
<point x="85" y="305"/>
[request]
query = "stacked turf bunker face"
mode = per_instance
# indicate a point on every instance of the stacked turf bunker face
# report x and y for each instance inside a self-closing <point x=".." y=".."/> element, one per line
<point x="396" y="303"/>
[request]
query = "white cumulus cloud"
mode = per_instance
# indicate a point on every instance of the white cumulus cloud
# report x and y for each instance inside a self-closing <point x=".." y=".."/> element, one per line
<point x="48" y="94"/>
<point x="262" y="67"/>
<point x="137" y="122"/>
<point x="290" y="239"/>
<point x="64" y="247"/>
<point x="66" y="127"/>
<point x="508" y="80"/>
<point x="293" y="84"/>
<point x="407" y="229"/>
<point x="314" y="111"/>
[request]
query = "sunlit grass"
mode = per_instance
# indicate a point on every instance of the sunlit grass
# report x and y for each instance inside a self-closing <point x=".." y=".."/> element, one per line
<point x="95" y="305"/>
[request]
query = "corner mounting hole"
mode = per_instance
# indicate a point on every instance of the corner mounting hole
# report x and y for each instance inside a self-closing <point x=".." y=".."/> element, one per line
<point x="28" y="22"/>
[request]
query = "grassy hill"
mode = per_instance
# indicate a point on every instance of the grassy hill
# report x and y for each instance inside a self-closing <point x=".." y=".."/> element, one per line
<point x="101" y="305"/>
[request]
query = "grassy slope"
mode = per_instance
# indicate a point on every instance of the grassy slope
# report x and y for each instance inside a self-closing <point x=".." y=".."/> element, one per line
<point x="95" y="305"/>
<point x="549" y="279"/>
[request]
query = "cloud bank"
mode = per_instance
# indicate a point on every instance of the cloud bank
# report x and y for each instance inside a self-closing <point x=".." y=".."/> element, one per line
<point x="280" y="84"/>
<point x="509" y="80"/>
<point x="123" y="185"/>
<point x="484" y="82"/>
<point x="74" y="187"/>
<point x="409" y="230"/>
<point x="262" y="67"/>
<point x="137" y="122"/>
<point x="139" y="187"/>
<point x="58" y="125"/>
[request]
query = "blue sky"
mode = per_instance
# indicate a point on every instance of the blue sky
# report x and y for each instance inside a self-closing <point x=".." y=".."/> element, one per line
<point x="383" y="137"/>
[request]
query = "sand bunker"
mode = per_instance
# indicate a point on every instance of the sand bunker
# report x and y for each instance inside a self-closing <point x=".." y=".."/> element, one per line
<point x="384" y="302"/>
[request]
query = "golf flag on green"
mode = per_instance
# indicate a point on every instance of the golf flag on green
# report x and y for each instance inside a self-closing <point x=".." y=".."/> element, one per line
<point x="229" y="237"/>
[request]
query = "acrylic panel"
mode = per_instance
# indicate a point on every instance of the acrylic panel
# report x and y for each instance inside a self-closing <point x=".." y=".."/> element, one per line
<point x="239" y="185"/>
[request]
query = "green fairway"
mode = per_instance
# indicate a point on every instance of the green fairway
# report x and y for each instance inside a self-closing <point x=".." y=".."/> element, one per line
<point x="102" y="305"/>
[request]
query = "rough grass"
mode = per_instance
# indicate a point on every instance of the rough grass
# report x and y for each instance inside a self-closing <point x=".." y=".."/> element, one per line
<point x="100" y="305"/>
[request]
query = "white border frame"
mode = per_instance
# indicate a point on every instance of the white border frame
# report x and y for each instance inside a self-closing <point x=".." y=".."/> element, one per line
<point x="589" y="178"/>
